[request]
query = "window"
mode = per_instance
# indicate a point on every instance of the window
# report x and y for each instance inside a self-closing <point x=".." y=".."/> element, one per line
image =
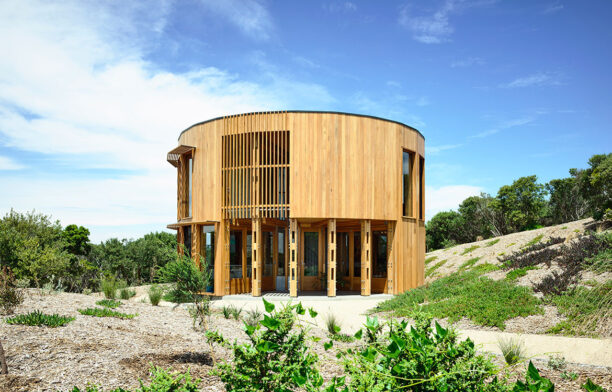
<point x="342" y="254"/>
<point x="357" y="255"/>
<point x="407" y="168"/>
<point x="208" y="242"/>
<point x="421" y="188"/>
<point x="268" y="251"/>
<point x="236" y="255"/>
<point x="281" y="252"/>
<point x="190" y="182"/>
<point x="187" y="241"/>
<point x="379" y="252"/>
<point x="311" y="254"/>
<point x="249" y="254"/>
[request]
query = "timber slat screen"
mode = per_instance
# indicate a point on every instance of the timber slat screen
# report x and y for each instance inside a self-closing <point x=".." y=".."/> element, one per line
<point x="255" y="168"/>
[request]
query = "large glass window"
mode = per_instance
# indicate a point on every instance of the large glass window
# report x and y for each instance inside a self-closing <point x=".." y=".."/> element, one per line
<point x="249" y="254"/>
<point x="190" y="182"/>
<point x="357" y="254"/>
<point x="268" y="260"/>
<point x="379" y="252"/>
<point x="236" y="254"/>
<point x="342" y="254"/>
<point x="421" y="188"/>
<point x="187" y="241"/>
<point x="208" y="243"/>
<point x="407" y="164"/>
<point x="311" y="254"/>
<point x="281" y="252"/>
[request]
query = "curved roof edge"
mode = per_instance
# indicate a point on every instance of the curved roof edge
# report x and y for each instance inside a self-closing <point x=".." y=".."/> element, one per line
<point x="305" y="111"/>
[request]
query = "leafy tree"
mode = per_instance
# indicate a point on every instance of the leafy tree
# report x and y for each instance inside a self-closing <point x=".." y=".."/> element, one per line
<point x="150" y="253"/>
<point x="566" y="203"/>
<point x="77" y="240"/>
<point x="595" y="184"/>
<point x="444" y="229"/>
<point x="522" y="204"/>
<point x="111" y="256"/>
<point x="474" y="215"/>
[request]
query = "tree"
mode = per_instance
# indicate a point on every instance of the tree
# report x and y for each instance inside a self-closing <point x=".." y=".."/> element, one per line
<point x="77" y="240"/>
<point x="444" y="229"/>
<point x="475" y="217"/>
<point x="566" y="203"/>
<point x="522" y="204"/>
<point x="595" y="184"/>
<point x="150" y="253"/>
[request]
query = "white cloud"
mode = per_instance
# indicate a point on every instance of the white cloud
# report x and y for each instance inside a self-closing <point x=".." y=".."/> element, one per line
<point x="250" y="16"/>
<point x="517" y="122"/>
<point x="7" y="163"/>
<point x="537" y="79"/>
<point x="438" y="149"/>
<point x="447" y="197"/>
<point x="467" y="62"/>
<point x="77" y="88"/>
<point x="340" y="6"/>
<point x="429" y="29"/>
<point x="553" y="8"/>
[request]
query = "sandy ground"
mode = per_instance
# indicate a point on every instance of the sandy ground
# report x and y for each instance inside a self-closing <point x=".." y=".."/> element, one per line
<point x="116" y="353"/>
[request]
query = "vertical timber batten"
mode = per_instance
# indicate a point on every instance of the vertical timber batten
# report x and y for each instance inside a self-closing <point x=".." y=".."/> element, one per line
<point x="366" y="257"/>
<point x="331" y="258"/>
<point x="256" y="248"/>
<point x="293" y="255"/>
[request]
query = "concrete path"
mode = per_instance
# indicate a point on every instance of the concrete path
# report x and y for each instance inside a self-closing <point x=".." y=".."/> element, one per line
<point x="351" y="309"/>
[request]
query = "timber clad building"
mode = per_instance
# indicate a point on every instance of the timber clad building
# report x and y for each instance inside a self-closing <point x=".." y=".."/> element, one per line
<point x="303" y="201"/>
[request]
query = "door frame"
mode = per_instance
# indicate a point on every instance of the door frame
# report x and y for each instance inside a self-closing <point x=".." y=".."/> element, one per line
<point x="312" y="283"/>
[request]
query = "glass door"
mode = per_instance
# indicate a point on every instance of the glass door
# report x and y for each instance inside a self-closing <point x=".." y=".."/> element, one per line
<point x="311" y="252"/>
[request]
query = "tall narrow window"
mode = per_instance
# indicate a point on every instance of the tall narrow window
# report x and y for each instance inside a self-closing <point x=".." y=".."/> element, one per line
<point x="208" y="241"/>
<point x="407" y="165"/>
<point x="281" y="252"/>
<point x="379" y="251"/>
<point x="268" y="251"/>
<point x="421" y="188"/>
<point x="236" y="254"/>
<point x="190" y="182"/>
<point x="187" y="243"/>
<point x="357" y="254"/>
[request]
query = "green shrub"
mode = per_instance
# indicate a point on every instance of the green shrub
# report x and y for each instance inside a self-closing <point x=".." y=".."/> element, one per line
<point x="109" y="287"/>
<point x="484" y="268"/>
<point x="467" y="294"/>
<point x="468" y="264"/>
<point x="161" y="381"/>
<point x="252" y="317"/>
<point x="556" y="362"/>
<point x="109" y="303"/>
<point x="156" y="293"/>
<point x="10" y="296"/>
<point x="492" y="242"/>
<point x="126" y="293"/>
<point x="227" y="311"/>
<point x="38" y="318"/>
<point x="513" y="275"/>
<point x="332" y="323"/>
<point x="275" y="357"/>
<point x="105" y="312"/>
<point x="235" y="312"/>
<point x="534" y="241"/>
<point x="186" y="279"/>
<point x="512" y="348"/>
<point x="200" y="313"/>
<point x="470" y="249"/>
<point x="434" y="267"/>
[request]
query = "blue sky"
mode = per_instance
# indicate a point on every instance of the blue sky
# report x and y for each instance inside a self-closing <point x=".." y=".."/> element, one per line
<point x="93" y="94"/>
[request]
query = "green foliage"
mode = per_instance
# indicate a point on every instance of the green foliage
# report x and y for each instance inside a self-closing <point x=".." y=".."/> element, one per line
<point x="10" y="295"/>
<point x="332" y="323"/>
<point x="513" y="275"/>
<point x="156" y="293"/>
<point x="492" y="242"/>
<point x="522" y="204"/>
<point x="470" y="249"/>
<point x="186" y="279"/>
<point x="566" y="203"/>
<point x="484" y="268"/>
<point x="161" y="381"/>
<point x="443" y="229"/>
<point x="533" y="382"/>
<point x="602" y="261"/>
<point x="468" y="264"/>
<point x="38" y="318"/>
<point x="275" y="357"/>
<point x="586" y="309"/>
<point x="556" y="362"/>
<point x="109" y="287"/>
<point x="105" y="312"/>
<point x="419" y="358"/>
<point x="533" y="241"/>
<point x="109" y="303"/>
<point x="76" y="240"/>
<point x="227" y="311"/>
<point x="235" y="311"/>
<point x="430" y="259"/>
<point x="252" y="317"/>
<point x="569" y="376"/>
<point x="590" y="386"/>
<point x="512" y="348"/>
<point x="595" y="184"/>
<point x="467" y="294"/>
<point x="429" y="272"/>
<point x="126" y="293"/>
<point x="200" y="313"/>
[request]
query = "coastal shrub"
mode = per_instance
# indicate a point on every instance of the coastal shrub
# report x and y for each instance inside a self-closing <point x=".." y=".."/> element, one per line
<point x="539" y="253"/>
<point x="10" y="296"/>
<point x="332" y="323"/>
<point x="126" y="293"/>
<point x="155" y="294"/>
<point x="252" y="317"/>
<point x="429" y="272"/>
<point x="187" y="281"/>
<point x="109" y="287"/>
<point x="512" y="348"/>
<point x="38" y="318"/>
<point x="105" y="312"/>
<point x="162" y="380"/>
<point x="109" y="303"/>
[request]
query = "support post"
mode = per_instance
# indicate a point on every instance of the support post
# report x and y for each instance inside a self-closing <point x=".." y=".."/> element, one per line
<point x="331" y="258"/>
<point x="293" y="254"/>
<point x="366" y="257"/>
<point x="226" y="255"/>
<point x="196" y="244"/>
<point x="390" y="255"/>
<point x="257" y="257"/>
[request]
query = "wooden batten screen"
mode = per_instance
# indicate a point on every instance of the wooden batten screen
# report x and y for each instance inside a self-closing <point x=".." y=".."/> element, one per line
<point x="255" y="166"/>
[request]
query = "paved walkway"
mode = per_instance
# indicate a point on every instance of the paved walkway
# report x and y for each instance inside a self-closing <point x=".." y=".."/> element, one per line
<point x="350" y="310"/>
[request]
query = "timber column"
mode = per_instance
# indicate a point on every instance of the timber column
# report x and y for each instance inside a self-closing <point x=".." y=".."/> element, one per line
<point x="293" y="250"/>
<point x="257" y="256"/>
<point x="331" y="258"/>
<point x="390" y="255"/>
<point x="366" y="257"/>
<point x="226" y="255"/>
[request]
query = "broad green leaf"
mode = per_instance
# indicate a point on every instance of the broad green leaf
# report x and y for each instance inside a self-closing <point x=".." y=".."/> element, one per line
<point x="270" y="323"/>
<point x="269" y="306"/>
<point x="533" y="373"/>
<point x="312" y="312"/>
<point x="328" y="345"/>
<point x="336" y="329"/>
<point x="299" y="309"/>
<point x="358" y="334"/>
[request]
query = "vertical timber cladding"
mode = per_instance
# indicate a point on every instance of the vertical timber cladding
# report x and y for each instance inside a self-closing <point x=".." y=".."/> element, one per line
<point x="255" y="166"/>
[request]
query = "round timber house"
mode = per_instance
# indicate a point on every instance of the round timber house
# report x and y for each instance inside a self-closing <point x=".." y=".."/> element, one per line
<point x="302" y="201"/>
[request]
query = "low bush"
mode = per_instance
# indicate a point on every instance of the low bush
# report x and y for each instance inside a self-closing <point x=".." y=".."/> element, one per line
<point x="161" y="381"/>
<point x="105" y="312"/>
<point x="38" y="318"/>
<point x="468" y="264"/>
<point x="155" y="294"/>
<point x="10" y="296"/>
<point x="126" y="293"/>
<point x="109" y="287"/>
<point x="109" y="303"/>
<point x="200" y="313"/>
<point x="430" y="259"/>
<point x="512" y="348"/>
<point x="470" y="249"/>
<point x="186" y="279"/>
<point x="492" y="242"/>
<point x="467" y="294"/>
<point x="541" y="252"/>
<point x="429" y="272"/>
<point x="556" y="362"/>
<point x="513" y="275"/>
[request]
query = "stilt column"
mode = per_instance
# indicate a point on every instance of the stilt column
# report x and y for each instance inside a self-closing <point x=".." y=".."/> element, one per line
<point x="257" y="257"/>
<point x="293" y="254"/>
<point x="226" y="256"/>
<point x="390" y="255"/>
<point x="366" y="257"/>
<point x="331" y="258"/>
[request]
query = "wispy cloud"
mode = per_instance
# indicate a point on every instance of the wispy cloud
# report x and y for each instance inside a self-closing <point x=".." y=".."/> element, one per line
<point x="534" y="80"/>
<point x="304" y="62"/>
<point x="7" y="163"/>
<point x="340" y="6"/>
<point x="467" y="62"/>
<point x="423" y="101"/>
<point x="444" y="147"/>
<point x="503" y="125"/>
<point x="250" y="16"/>
<point x="553" y="8"/>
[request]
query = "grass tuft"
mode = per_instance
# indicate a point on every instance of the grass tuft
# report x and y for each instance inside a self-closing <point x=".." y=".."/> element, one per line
<point x="470" y="249"/>
<point x="492" y="242"/>
<point x="109" y="303"/>
<point x="534" y="241"/>
<point x="468" y="264"/>
<point x="105" y="312"/>
<point x="156" y="294"/>
<point x="433" y="268"/>
<point x="333" y="324"/>
<point x="38" y="318"/>
<point x="512" y="348"/>
<point x="519" y="272"/>
<point x="126" y="293"/>
<point x="430" y="259"/>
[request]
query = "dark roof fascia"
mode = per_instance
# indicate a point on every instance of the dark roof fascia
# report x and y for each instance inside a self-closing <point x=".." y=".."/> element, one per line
<point x="305" y="111"/>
